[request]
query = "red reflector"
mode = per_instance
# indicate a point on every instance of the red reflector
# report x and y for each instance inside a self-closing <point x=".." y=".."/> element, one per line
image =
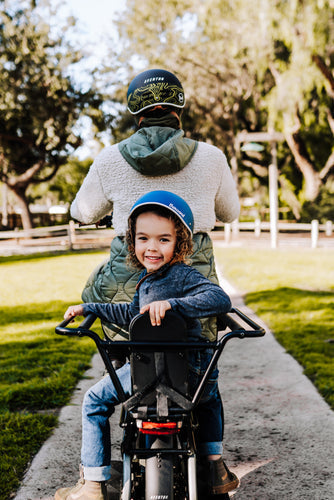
<point x="159" y="425"/>
<point x="159" y="428"/>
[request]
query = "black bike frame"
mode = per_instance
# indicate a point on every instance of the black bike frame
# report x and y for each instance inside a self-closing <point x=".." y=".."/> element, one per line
<point x="107" y="346"/>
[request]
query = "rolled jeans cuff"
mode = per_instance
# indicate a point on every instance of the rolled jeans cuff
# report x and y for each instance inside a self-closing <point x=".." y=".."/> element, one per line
<point x="97" y="473"/>
<point x="213" y="448"/>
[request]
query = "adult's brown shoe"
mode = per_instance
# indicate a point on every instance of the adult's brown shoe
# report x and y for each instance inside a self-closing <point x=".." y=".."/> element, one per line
<point x="222" y="480"/>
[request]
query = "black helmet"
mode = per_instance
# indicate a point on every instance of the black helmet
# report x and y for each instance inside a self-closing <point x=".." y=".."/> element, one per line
<point x="154" y="87"/>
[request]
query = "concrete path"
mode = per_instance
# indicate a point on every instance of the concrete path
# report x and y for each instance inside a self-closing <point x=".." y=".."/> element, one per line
<point x="279" y="433"/>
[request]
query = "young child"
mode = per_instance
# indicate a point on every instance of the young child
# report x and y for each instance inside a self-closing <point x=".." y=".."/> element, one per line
<point x="159" y="239"/>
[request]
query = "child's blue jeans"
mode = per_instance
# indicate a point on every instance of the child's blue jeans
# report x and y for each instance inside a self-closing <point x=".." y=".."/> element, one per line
<point x="99" y="403"/>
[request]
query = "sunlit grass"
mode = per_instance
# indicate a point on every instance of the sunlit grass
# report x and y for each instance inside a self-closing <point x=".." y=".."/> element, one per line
<point x="293" y="292"/>
<point x="254" y="269"/>
<point x="20" y="437"/>
<point x="38" y="369"/>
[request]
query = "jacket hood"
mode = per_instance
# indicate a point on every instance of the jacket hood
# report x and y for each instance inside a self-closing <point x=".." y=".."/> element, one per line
<point x="156" y="151"/>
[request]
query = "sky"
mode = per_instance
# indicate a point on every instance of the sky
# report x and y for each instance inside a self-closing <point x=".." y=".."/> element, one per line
<point x="95" y="15"/>
<point x="95" y="19"/>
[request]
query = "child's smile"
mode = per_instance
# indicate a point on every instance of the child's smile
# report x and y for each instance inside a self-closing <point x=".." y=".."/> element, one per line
<point x="155" y="240"/>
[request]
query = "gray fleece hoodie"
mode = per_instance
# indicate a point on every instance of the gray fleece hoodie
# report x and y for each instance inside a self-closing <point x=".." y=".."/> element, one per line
<point x="154" y="158"/>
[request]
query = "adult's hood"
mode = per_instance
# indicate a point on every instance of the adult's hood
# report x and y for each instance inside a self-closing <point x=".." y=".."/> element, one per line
<point x="156" y="151"/>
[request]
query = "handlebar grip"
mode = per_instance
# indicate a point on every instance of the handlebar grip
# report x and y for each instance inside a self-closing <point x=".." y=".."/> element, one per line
<point x="88" y="321"/>
<point x="105" y="221"/>
<point x="257" y="330"/>
<point x="251" y="333"/>
<point x="62" y="329"/>
<point x="228" y="321"/>
<point x="65" y="322"/>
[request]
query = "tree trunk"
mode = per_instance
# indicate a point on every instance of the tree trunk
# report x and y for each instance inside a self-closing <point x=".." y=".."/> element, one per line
<point x="21" y="198"/>
<point x="311" y="177"/>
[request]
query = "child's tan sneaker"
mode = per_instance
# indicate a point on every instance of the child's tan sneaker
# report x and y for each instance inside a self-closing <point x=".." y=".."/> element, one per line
<point x="83" y="490"/>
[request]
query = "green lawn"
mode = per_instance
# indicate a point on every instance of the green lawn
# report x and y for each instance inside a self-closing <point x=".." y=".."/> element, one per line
<point x="293" y="292"/>
<point x="38" y="369"/>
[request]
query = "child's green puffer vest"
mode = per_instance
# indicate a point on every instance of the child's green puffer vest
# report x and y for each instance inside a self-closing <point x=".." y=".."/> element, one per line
<point x="113" y="281"/>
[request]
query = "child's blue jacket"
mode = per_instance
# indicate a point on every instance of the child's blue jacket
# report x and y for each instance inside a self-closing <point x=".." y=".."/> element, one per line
<point x="189" y="293"/>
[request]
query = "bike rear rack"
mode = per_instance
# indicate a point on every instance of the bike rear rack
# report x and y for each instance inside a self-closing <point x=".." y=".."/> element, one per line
<point x="248" y="329"/>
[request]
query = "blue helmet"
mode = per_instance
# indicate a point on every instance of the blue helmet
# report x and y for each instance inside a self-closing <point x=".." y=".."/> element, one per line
<point x="168" y="200"/>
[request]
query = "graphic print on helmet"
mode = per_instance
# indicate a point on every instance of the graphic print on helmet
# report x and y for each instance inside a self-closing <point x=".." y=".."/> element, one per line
<point x="154" y="87"/>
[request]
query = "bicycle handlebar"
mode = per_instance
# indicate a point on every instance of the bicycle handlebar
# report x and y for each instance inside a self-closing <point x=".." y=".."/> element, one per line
<point x="105" y="346"/>
<point x="105" y="221"/>
<point x="235" y="327"/>
<point x="80" y="331"/>
<point x="236" y="330"/>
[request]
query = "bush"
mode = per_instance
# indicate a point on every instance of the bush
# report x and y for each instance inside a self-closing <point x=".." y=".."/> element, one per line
<point x="321" y="209"/>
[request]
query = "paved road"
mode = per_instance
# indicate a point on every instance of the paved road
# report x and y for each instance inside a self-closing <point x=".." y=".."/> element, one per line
<point x="279" y="435"/>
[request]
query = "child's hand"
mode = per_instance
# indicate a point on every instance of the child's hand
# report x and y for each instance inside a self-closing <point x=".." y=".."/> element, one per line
<point x="73" y="311"/>
<point x="156" y="310"/>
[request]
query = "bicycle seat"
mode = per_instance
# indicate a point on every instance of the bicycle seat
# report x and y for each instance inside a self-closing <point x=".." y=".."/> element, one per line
<point x="151" y="368"/>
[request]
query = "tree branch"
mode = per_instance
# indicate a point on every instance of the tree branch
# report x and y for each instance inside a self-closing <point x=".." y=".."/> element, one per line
<point x="15" y="138"/>
<point x="259" y="170"/>
<point x="216" y="74"/>
<point x="303" y="161"/>
<point x="328" y="168"/>
<point x="275" y="73"/>
<point x="47" y="177"/>
<point x="330" y="120"/>
<point x="325" y="70"/>
<point x="296" y="143"/>
<point x="25" y="178"/>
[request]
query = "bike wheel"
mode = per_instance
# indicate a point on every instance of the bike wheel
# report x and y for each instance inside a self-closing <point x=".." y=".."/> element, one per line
<point x="126" y="486"/>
